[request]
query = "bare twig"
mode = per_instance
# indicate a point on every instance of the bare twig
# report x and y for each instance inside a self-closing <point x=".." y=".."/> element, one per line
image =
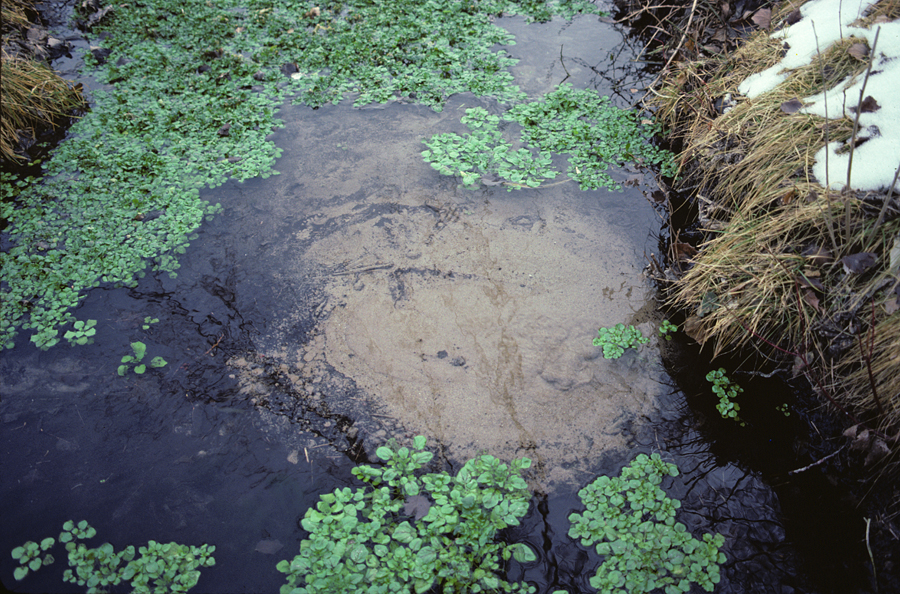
<point x="868" y="358"/>
<point x="817" y="462"/>
<point x="828" y="219"/>
<point x="677" y="47"/>
<point x="563" y="65"/>
<point x="871" y="556"/>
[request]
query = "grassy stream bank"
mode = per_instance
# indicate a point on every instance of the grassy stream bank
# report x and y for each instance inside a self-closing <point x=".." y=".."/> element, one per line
<point x="771" y="265"/>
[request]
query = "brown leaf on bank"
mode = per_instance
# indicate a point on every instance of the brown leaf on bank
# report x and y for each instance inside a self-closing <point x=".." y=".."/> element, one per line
<point x="313" y="12"/>
<point x="693" y="327"/>
<point x="860" y="51"/>
<point x="807" y="282"/>
<point x="794" y="17"/>
<point x="799" y="366"/>
<point x="791" y="106"/>
<point x="892" y="305"/>
<point x="869" y="105"/>
<point x="721" y="35"/>
<point x="812" y="300"/>
<point x="762" y="18"/>
<point x="817" y="255"/>
<point x="859" y="263"/>
<point x="683" y="251"/>
<point x="726" y="10"/>
<point x="788" y="197"/>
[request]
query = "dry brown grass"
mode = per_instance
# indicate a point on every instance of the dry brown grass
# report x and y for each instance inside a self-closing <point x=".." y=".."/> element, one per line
<point x="749" y="171"/>
<point x="31" y="95"/>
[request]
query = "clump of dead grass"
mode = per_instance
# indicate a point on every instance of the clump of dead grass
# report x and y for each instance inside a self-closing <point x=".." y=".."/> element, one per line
<point x="770" y="275"/>
<point x="31" y="94"/>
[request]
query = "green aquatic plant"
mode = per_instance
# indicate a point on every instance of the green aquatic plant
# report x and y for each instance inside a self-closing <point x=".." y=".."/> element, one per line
<point x="149" y="320"/>
<point x="630" y="521"/>
<point x="727" y="392"/>
<point x="579" y="123"/>
<point x="411" y="532"/>
<point x="616" y="339"/>
<point x="160" y="568"/>
<point x="666" y="329"/>
<point x="82" y="332"/>
<point x="191" y="89"/>
<point x="139" y="349"/>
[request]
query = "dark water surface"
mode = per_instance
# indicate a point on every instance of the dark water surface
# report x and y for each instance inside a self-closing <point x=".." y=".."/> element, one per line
<point x="307" y="325"/>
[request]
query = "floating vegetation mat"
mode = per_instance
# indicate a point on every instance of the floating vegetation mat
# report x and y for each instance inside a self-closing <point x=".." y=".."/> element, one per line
<point x="189" y="95"/>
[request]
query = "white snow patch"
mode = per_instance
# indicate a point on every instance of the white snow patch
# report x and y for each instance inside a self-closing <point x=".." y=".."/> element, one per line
<point x="875" y="161"/>
<point x="827" y="20"/>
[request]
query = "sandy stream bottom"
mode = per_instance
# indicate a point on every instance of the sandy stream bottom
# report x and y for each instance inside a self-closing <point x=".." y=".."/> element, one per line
<point x="467" y="316"/>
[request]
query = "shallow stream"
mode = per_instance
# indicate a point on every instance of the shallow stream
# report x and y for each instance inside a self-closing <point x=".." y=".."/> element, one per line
<point x="360" y="296"/>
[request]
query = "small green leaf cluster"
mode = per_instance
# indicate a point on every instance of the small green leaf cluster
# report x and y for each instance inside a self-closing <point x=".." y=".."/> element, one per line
<point x="29" y="557"/>
<point x="484" y="151"/>
<point x="409" y="532"/>
<point x="139" y="349"/>
<point x="785" y="409"/>
<point x="579" y="123"/>
<point x="81" y="332"/>
<point x="149" y="320"/>
<point x="160" y="568"/>
<point x="727" y="392"/>
<point x="666" y="329"/>
<point x="631" y="522"/>
<point x="616" y="339"/>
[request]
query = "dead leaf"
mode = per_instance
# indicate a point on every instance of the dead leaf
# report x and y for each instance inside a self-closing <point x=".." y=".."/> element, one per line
<point x="313" y="12"/>
<point x="788" y="196"/>
<point x="860" y="51"/>
<point x="416" y="506"/>
<point x="726" y="10"/>
<point x="878" y="451"/>
<point x="811" y="299"/>
<point x="851" y="431"/>
<point x="268" y="546"/>
<point x="683" y="251"/>
<point x="869" y="105"/>
<point x="859" y="263"/>
<point x="721" y="35"/>
<point x="799" y="366"/>
<point x="860" y="441"/>
<point x="817" y="255"/>
<point x="791" y="106"/>
<point x="693" y="327"/>
<point x="762" y="18"/>
<point x="892" y="305"/>
<point x="794" y="17"/>
<point x="806" y="282"/>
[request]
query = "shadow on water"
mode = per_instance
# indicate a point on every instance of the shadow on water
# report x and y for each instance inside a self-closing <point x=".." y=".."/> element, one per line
<point x="357" y="297"/>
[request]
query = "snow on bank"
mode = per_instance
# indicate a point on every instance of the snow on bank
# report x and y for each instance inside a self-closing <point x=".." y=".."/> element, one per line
<point x="822" y="23"/>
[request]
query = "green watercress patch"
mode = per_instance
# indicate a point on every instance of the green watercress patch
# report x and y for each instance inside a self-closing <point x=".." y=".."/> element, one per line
<point x="579" y="123"/>
<point x="169" y="567"/>
<point x="410" y="532"/>
<point x="630" y="521"/>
